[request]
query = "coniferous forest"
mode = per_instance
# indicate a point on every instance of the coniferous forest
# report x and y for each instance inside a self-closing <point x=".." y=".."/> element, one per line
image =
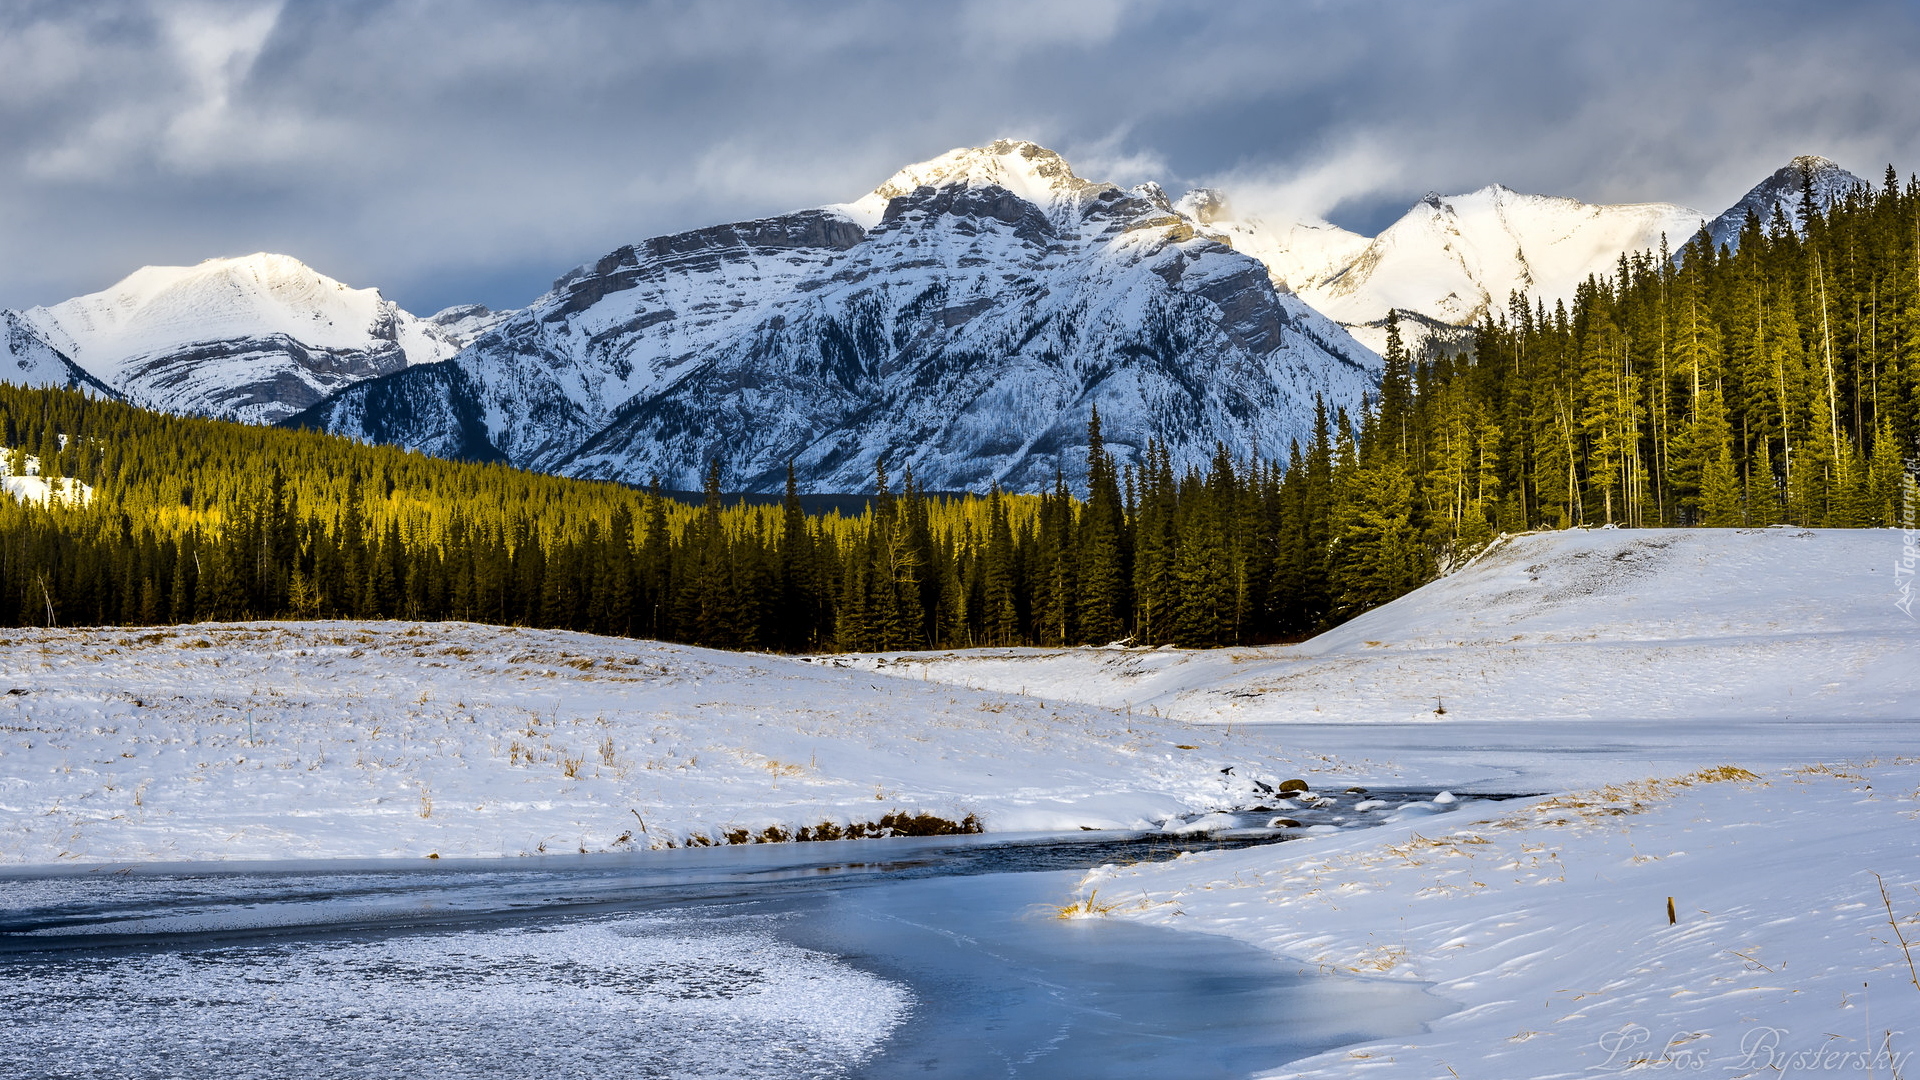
<point x="1778" y="383"/>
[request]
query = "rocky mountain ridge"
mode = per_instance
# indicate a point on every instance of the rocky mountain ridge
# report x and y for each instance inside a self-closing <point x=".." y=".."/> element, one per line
<point x="961" y="320"/>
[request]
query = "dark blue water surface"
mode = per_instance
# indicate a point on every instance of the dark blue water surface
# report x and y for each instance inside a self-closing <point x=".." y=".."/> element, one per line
<point x="874" y="958"/>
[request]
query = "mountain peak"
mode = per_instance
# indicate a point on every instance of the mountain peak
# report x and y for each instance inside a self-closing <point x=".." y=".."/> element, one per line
<point x="1022" y="167"/>
<point x="1784" y="191"/>
<point x="1027" y="169"/>
<point x="1206" y="205"/>
<point x="250" y="337"/>
<point x="1453" y="258"/>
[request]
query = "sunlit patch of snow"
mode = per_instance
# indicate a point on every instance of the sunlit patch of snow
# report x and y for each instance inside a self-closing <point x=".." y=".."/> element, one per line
<point x="30" y="486"/>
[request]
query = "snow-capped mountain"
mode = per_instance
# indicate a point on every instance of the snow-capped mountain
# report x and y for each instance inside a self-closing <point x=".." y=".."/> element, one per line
<point x="462" y="324"/>
<point x="1298" y="254"/>
<point x="254" y="339"/>
<point x="1450" y="259"/>
<point x="1827" y="182"/>
<point x="962" y="319"/>
<point x="28" y="360"/>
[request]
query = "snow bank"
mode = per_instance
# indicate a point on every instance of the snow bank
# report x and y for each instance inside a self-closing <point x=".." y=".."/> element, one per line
<point x="323" y="740"/>
<point x="1548" y="923"/>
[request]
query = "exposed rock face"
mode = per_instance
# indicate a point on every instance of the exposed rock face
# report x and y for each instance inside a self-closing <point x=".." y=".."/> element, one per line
<point x="961" y="320"/>
<point x="463" y="323"/>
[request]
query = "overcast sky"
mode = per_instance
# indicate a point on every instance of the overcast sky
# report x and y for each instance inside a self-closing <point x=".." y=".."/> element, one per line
<point x="453" y="151"/>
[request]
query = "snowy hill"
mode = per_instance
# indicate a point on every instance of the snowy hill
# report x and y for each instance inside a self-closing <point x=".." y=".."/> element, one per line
<point x="1827" y="183"/>
<point x="253" y="339"/>
<point x="1449" y="259"/>
<point x="1684" y="626"/>
<point x="961" y="319"/>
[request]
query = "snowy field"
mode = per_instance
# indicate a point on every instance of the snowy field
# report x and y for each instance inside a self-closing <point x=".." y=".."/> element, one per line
<point x="321" y="740"/>
<point x="1547" y="924"/>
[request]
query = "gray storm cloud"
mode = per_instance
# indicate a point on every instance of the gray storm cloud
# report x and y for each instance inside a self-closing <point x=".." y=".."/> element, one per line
<point x="471" y="151"/>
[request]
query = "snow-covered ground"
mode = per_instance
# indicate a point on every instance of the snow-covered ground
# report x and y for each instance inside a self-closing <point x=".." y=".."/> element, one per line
<point x="1726" y="718"/>
<point x="1547" y="923"/>
<point x="32" y="487"/>
<point x="1723" y="717"/>
<point x="318" y="740"/>
<point x="1554" y="660"/>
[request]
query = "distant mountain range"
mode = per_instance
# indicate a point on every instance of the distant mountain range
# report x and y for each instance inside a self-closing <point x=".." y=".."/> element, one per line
<point x="961" y="319"/>
<point x="1451" y="259"/>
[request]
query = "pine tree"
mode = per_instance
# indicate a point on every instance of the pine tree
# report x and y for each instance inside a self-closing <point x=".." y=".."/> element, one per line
<point x="1102" y="599"/>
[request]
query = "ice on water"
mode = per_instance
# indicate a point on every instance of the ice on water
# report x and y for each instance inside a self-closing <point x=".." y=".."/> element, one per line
<point x="628" y="996"/>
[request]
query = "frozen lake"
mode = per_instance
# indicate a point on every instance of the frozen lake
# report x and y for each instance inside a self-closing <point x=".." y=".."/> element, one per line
<point x="877" y="958"/>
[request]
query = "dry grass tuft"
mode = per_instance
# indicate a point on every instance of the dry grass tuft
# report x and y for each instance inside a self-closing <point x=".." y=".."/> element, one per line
<point x="1615" y="800"/>
<point x="1092" y="907"/>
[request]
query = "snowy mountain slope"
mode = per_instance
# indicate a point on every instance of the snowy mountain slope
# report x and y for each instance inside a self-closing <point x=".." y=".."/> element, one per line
<point x="962" y="319"/>
<point x="1827" y="181"/>
<point x="255" y="339"/>
<point x="463" y="324"/>
<point x="30" y="361"/>
<point x="1452" y="259"/>
<point x="1298" y="254"/>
